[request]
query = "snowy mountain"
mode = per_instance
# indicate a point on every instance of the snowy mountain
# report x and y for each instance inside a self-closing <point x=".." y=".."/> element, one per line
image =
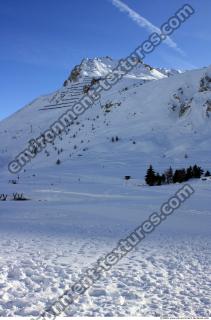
<point x="100" y="67"/>
<point x="169" y="72"/>
<point x="80" y="204"/>
<point x="154" y="116"/>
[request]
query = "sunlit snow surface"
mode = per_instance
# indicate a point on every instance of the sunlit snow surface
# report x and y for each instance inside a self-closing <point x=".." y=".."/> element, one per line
<point x="48" y="241"/>
<point x="79" y="209"/>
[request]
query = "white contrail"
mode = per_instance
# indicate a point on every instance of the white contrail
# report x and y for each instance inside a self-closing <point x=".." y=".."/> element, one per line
<point x="144" y="23"/>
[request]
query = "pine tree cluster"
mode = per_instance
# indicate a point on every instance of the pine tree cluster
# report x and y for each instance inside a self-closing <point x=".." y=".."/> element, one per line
<point x="170" y="176"/>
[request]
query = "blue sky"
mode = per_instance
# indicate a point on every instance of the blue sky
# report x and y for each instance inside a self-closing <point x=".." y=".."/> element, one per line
<point x="42" y="40"/>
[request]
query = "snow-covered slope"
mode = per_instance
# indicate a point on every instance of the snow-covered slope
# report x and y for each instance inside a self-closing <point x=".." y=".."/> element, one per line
<point x="80" y="209"/>
<point x="169" y="72"/>
<point x="154" y="117"/>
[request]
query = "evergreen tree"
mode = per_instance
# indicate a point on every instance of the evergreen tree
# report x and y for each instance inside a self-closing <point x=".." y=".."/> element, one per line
<point x="197" y="172"/>
<point x="189" y="173"/>
<point x="179" y="176"/>
<point x="201" y="171"/>
<point x="158" y="179"/>
<point x="169" y="175"/>
<point x="175" y="177"/>
<point x="163" y="179"/>
<point x="207" y="174"/>
<point x="150" y="177"/>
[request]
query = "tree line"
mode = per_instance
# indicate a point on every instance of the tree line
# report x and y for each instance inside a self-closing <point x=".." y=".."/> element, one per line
<point x="170" y="176"/>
